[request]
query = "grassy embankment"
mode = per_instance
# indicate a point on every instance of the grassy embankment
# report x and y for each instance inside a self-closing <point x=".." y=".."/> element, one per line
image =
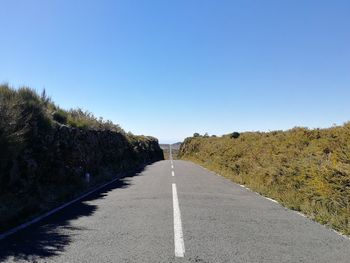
<point x="45" y="153"/>
<point x="305" y="170"/>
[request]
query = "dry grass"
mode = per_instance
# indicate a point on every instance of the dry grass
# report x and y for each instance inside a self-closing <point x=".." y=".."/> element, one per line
<point x="306" y="170"/>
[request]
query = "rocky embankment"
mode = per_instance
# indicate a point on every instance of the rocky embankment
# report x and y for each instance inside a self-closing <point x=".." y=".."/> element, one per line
<point x="54" y="168"/>
<point x="49" y="155"/>
<point x="72" y="152"/>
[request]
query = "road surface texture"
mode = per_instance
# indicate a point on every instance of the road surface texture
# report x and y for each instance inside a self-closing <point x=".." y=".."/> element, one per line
<point x="179" y="214"/>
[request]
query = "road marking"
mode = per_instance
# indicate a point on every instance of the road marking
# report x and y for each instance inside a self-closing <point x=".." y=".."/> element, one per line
<point x="178" y="234"/>
<point x="299" y="213"/>
<point x="172" y="166"/>
<point x="272" y="200"/>
<point x="304" y="216"/>
<point x="172" y="173"/>
<point x="53" y="211"/>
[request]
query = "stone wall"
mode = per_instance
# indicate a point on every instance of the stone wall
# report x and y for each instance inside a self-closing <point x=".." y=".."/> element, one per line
<point x="52" y="166"/>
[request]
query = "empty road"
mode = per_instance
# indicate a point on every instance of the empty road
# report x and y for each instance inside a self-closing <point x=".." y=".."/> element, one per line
<point x="175" y="211"/>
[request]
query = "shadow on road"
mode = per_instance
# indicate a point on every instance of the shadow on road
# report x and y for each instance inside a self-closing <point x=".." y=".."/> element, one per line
<point x="49" y="237"/>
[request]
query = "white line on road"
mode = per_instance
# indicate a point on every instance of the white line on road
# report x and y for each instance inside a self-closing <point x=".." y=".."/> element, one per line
<point x="305" y="216"/>
<point x="178" y="234"/>
<point x="172" y="173"/>
<point x="299" y="213"/>
<point x="53" y="211"/>
<point x="172" y="166"/>
<point x="272" y="200"/>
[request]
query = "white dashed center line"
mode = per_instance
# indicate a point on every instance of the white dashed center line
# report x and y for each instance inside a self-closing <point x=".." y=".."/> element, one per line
<point x="178" y="234"/>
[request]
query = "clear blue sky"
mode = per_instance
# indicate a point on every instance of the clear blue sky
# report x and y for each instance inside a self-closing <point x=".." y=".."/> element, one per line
<point x="172" y="68"/>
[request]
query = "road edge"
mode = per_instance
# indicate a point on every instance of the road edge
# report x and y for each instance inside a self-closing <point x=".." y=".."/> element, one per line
<point x="271" y="200"/>
<point x="37" y="219"/>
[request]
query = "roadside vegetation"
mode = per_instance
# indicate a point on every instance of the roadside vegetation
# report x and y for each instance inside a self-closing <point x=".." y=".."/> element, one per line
<point x="46" y="152"/>
<point x="305" y="170"/>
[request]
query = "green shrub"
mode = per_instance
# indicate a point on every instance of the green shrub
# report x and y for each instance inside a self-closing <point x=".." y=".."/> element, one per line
<point x="234" y="135"/>
<point x="23" y="119"/>
<point x="60" y="116"/>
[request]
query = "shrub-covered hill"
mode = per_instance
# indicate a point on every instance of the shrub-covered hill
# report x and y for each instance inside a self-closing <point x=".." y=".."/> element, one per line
<point x="306" y="170"/>
<point x="45" y="153"/>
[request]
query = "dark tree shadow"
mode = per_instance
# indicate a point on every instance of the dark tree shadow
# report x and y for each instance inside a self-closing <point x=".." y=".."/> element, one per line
<point x="50" y="236"/>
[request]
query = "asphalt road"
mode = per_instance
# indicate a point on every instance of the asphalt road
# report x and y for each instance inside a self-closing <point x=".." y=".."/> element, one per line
<point x="139" y="219"/>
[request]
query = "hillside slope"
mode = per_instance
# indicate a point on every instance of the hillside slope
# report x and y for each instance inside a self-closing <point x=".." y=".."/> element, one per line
<point x="306" y="170"/>
<point x="46" y="152"/>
